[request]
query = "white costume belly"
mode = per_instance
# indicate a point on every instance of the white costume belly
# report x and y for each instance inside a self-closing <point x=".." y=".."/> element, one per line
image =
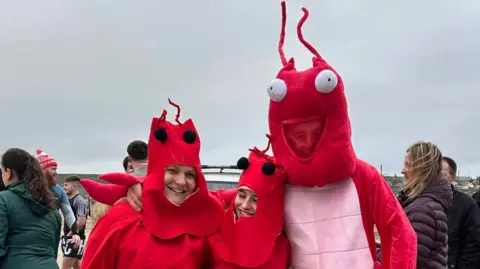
<point x="325" y="227"/>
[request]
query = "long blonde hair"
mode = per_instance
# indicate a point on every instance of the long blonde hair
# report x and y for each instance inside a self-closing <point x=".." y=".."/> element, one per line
<point x="426" y="165"/>
<point x="99" y="210"/>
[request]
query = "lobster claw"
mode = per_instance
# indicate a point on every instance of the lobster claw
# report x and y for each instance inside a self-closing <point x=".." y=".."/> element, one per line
<point x="121" y="179"/>
<point x="104" y="193"/>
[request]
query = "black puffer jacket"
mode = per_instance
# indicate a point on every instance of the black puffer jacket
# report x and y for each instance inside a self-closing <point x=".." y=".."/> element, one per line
<point x="463" y="232"/>
<point x="428" y="215"/>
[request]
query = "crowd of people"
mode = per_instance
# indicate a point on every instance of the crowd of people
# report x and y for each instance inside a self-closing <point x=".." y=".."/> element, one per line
<point x="312" y="204"/>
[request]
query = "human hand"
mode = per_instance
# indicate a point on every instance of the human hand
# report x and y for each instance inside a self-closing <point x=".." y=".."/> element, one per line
<point x="134" y="197"/>
<point x="76" y="240"/>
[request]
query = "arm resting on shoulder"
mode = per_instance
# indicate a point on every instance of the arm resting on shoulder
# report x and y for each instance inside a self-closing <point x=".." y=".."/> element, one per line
<point x="398" y="239"/>
<point x="226" y="196"/>
<point x="469" y="255"/>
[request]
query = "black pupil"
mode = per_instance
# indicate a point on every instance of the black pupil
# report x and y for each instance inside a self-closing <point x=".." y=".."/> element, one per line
<point x="329" y="79"/>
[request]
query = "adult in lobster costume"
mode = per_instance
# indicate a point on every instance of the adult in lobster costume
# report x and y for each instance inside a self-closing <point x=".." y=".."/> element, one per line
<point x="178" y="210"/>
<point x="333" y="200"/>
<point x="251" y="233"/>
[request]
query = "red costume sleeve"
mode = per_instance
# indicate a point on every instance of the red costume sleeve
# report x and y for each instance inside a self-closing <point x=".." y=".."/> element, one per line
<point x="225" y="196"/>
<point x="103" y="241"/>
<point x="398" y="239"/>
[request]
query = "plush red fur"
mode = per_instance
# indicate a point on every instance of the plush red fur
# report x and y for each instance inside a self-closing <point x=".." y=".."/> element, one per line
<point x="163" y="235"/>
<point x="308" y="120"/>
<point x="256" y="241"/>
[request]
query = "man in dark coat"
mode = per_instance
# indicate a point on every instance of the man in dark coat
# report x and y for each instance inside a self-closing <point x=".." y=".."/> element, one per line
<point x="463" y="225"/>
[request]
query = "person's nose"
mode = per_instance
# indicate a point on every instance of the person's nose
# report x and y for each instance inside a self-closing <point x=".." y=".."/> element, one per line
<point x="181" y="180"/>
<point x="246" y="204"/>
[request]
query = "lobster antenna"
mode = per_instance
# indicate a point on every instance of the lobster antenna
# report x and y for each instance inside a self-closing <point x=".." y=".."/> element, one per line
<point x="268" y="145"/>
<point x="300" y="34"/>
<point x="178" y="111"/>
<point x="163" y="117"/>
<point x="282" y="34"/>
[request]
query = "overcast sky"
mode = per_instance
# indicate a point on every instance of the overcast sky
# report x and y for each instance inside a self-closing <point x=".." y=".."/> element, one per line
<point x="81" y="79"/>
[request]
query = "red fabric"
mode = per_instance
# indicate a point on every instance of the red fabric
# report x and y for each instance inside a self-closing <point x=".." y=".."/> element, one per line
<point x="278" y="260"/>
<point x="380" y="207"/>
<point x="163" y="235"/>
<point x="311" y="136"/>
<point x="119" y="240"/>
<point x="330" y="156"/>
<point x="104" y="193"/>
<point x="256" y="241"/>
<point x="161" y="217"/>
<point x="226" y="196"/>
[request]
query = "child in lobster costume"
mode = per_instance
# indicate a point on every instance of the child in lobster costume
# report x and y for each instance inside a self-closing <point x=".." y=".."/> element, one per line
<point x="333" y="200"/>
<point x="251" y="234"/>
<point x="178" y="210"/>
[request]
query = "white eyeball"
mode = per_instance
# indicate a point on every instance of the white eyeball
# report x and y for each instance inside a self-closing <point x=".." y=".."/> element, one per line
<point x="277" y="90"/>
<point x="326" y="81"/>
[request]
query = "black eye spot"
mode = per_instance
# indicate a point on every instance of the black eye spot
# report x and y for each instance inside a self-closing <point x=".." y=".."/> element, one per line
<point x="189" y="136"/>
<point x="243" y="163"/>
<point x="161" y="135"/>
<point x="268" y="169"/>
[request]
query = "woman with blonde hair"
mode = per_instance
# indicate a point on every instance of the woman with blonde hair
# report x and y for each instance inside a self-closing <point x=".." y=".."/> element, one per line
<point x="426" y="197"/>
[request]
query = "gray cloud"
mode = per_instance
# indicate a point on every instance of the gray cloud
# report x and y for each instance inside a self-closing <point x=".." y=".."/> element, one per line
<point x="80" y="79"/>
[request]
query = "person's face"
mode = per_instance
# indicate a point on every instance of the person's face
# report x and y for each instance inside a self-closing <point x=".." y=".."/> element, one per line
<point x="51" y="175"/>
<point x="407" y="167"/>
<point x="179" y="183"/>
<point x="6" y="175"/>
<point x="245" y="202"/>
<point x="446" y="171"/>
<point x="69" y="187"/>
<point x="129" y="168"/>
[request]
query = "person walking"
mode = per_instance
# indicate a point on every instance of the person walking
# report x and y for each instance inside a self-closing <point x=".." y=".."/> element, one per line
<point x="29" y="222"/>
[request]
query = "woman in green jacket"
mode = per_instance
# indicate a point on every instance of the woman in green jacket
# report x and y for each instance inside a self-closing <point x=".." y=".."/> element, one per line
<point x="29" y="223"/>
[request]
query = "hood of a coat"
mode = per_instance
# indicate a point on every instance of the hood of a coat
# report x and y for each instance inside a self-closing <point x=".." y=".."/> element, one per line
<point x="19" y="189"/>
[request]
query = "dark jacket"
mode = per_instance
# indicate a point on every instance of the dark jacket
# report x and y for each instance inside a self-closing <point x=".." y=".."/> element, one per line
<point x="29" y="232"/>
<point x="463" y="232"/>
<point x="428" y="215"/>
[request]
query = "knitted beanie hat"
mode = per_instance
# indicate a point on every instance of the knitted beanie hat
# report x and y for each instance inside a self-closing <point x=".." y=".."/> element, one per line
<point x="45" y="160"/>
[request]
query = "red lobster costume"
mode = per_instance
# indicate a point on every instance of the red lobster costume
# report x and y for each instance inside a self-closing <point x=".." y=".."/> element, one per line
<point x="333" y="199"/>
<point x="256" y="241"/>
<point x="164" y="235"/>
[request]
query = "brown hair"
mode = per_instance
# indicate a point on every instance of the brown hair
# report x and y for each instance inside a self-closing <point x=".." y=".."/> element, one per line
<point x="426" y="165"/>
<point x="27" y="169"/>
<point x="452" y="165"/>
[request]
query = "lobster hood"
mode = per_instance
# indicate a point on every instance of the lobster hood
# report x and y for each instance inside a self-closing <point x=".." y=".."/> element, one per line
<point x="201" y="213"/>
<point x="249" y="241"/>
<point x="308" y="119"/>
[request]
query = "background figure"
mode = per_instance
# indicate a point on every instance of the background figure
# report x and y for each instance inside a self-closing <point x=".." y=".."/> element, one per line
<point x="463" y="225"/>
<point x="426" y="197"/>
<point x="138" y="157"/>
<point x="49" y="168"/>
<point x="29" y="222"/>
<point x="72" y="255"/>
<point x="99" y="210"/>
<point x="126" y="165"/>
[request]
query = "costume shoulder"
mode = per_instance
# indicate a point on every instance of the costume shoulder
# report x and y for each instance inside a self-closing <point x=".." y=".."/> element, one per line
<point x="100" y="252"/>
<point x="366" y="171"/>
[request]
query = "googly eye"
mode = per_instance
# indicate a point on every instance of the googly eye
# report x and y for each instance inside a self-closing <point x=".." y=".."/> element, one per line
<point x="277" y="90"/>
<point x="326" y="81"/>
